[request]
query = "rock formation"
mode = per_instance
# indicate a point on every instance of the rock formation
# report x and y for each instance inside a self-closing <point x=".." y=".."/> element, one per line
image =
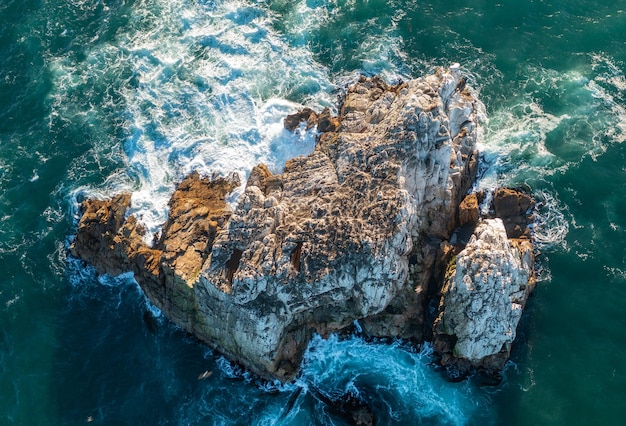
<point x="485" y="292"/>
<point x="349" y="232"/>
<point x="514" y="206"/>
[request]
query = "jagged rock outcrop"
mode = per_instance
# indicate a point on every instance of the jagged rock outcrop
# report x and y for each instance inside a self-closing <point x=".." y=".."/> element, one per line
<point x="349" y="232"/>
<point x="468" y="210"/>
<point x="515" y="209"/>
<point x="486" y="287"/>
<point x="114" y="244"/>
<point x="306" y="115"/>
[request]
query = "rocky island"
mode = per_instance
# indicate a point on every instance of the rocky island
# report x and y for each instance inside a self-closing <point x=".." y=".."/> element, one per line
<point x="373" y="226"/>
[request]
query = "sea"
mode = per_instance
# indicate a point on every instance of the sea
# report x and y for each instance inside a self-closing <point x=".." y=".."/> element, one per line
<point x="100" y="96"/>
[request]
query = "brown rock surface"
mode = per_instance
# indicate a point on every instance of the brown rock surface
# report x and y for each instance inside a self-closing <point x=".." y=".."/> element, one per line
<point x="513" y="207"/>
<point x="306" y="115"/>
<point x="96" y="239"/>
<point x="468" y="210"/>
<point x="197" y="211"/>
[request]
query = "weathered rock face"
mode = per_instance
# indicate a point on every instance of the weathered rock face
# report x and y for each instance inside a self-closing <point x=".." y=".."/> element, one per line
<point x="115" y="245"/>
<point x="95" y="239"/>
<point x="514" y="206"/>
<point x="486" y="288"/>
<point x="349" y="232"/>
<point x="468" y="210"/>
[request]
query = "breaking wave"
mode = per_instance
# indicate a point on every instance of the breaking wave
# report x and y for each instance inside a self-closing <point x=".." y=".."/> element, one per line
<point x="552" y="123"/>
<point x="191" y="86"/>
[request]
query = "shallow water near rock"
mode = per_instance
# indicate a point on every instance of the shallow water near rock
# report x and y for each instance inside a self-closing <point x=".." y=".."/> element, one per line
<point x="99" y="96"/>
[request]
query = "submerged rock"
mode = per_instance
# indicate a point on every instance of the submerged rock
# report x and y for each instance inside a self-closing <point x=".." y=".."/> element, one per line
<point x="349" y="232"/>
<point x="350" y="406"/>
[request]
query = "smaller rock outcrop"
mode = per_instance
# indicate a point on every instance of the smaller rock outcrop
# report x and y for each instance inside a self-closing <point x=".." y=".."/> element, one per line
<point x="114" y="244"/>
<point x="96" y="236"/>
<point x="515" y="209"/>
<point x="468" y="210"/>
<point x="486" y="286"/>
<point x="306" y="115"/>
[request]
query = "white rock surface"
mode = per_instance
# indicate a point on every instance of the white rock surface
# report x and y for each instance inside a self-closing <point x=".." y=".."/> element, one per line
<point x="484" y="296"/>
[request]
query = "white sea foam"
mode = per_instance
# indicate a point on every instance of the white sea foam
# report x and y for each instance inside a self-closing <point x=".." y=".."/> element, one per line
<point x="210" y="97"/>
<point x="388" y="376"/>
<point x="551" y="123"/>
<point x="551" y="220"/>
<point x="206" y="88"/>
<point x="557" y="119"/>
<point x="515" y="141"/>
<point x="396" y="381"/>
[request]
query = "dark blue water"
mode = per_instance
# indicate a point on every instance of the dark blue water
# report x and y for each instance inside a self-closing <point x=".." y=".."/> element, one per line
<point x="98" y="96"/>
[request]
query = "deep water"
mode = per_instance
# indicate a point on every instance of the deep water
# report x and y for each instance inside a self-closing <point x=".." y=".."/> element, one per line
<point x="102" y="95"/>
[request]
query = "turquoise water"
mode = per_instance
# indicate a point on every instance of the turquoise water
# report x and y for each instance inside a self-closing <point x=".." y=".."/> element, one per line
<point x="98" y="96"/>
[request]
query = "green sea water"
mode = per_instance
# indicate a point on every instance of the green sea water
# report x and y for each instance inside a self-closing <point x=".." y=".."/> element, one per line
<point x="98" y="96"/>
